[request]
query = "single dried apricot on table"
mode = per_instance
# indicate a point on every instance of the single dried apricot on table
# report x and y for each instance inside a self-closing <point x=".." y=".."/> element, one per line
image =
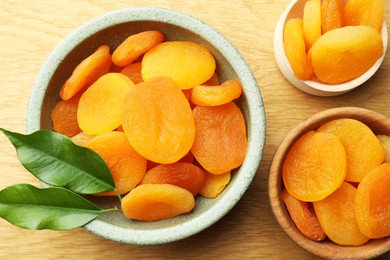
<point x="220" y="140"/>
<point x="336" y="214"/>
<point x="311" y="22"/>
<point x="332" y="15"/>
<point x="158" y="121"/>
<point x="385" y="141"/>
<point x="214" y="184"/>
<point x="187" y="63"/>
<point x="315" y="166"/>
<point x="185" y="175"/>
<point x="152" y="202"/>
<point x="134" y="46"/>
<point x="345" y="53"/>
<point x="216" y="95"/>
<point x="372" y="203"/>
<point x="294" y="47"/>
<point x="363" y="149"/>
<point x="364" y="12"/>
<point x="303" y="215"/>
<point x="100" y="106"/>
<point x="87" y="72"/>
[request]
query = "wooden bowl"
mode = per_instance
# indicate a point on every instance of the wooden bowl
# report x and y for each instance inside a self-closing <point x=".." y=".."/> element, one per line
<point x="326" y="248"/>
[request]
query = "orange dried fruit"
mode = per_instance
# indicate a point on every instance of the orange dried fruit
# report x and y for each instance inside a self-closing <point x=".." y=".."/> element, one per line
<point x="364" y="12"/>
<point x="220" y="140"/>
<point x="185" y="175"/>
<point x="385" y="142"/>
<point x="187" y="63"/>
<point x="315" y="166"/>
<point x="153" y="202"/>
<point x="64" y="117"/>
<point x="311" y="22"/>
<point x="294" y="47"/>
<point x="345" y="53"/>
<point x="363" y="149"/>
<point x="216" y="95"/>
<point x="303" y="215"/>
<point x="100" y="105"/>
<point x="214" y="184"/>
<point x="134" y="46"/>
<point x="332" y="15"/>
<point x="372" y="203"/>
<point x="133" y="71"/>
<point x="87" y="72"/>
<point x="82" y="139"/>
<point x="158" y="121"/>
<point x="336" y="214"/>
<point x="213" y="81"/>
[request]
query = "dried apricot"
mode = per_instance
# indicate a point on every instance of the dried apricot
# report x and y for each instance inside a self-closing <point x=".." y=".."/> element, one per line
<point x="64" y="117"/>
<point x="185" y="175"/>
<point x="336" y="214"/>
<point x="364" y="12"/>
<point x="345" y="53"/>
<point x="187" y="63"/>
<point x="214" y="184"/>
<point x="158" y="121"/>
<point x="87" y="72"/>
<point x="294" y="47"/>
<point x="133" y="71"/>
<point x="213" y="81"/>
<point x="152" y="202"/>
<point x="82" y="139"/>
<point x="303" y="215"/>
<point x="315" y="166"/>
<point x="372" y="203"/>
<point x="332" y="15"/>
<point x="220" y="140"/>
<point x="100" y="105"/>
<point x="363" y="149"/>
<point x="216" y="95"/>
<point x="385" y="141"/>
<point x="311" y="22"/>
<point x="136" y="45"/>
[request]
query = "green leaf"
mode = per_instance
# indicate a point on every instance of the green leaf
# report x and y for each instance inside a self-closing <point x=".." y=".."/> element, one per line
<point x="54" y="159"/>
<point x="56" y="208"/>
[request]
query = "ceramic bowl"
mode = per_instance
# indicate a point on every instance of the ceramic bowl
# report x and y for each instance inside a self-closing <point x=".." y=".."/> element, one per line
<point x="111" y="29"/>
<point x="314" y="87"/>
<point x="380" y="124"/>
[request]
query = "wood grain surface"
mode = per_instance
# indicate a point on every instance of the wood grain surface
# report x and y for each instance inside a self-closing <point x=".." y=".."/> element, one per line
<point x="29" y="31"/>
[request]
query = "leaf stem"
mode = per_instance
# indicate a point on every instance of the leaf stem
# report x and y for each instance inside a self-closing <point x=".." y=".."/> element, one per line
<point x="118" y="194"/>
<point x="109" y="210"/>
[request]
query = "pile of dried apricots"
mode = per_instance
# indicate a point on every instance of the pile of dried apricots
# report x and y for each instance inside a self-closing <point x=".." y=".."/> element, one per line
<point x="157" y="114"/>
<point x="337" y="181"/>
<point x="335" y="41"/>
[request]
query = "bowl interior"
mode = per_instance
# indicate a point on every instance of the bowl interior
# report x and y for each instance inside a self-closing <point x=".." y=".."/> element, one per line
<point x="112" y="29"/>
<point x="328" y="249"/>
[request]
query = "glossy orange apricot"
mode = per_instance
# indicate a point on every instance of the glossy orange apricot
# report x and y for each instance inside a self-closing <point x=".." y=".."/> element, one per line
<point x="314" y="167"/>
<point x="87" y="72"/>
<point x="364" y="12"/>
<point x="214" y="184"/>
<point x="311" y="22"/>
<point x="64" y="117"/>
<point x="332" y="15"/>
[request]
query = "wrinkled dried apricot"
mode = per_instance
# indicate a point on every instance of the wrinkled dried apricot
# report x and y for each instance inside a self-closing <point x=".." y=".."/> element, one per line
<point x="82" y="139"/>
<point x="345" y="53"/>
<point x="214" y="184"/>
<point x="336" y="215"/>
<point x="385" y="141"/>
<point x="363" y="149"/>
<point x="364" y="12"/>
<point x="100" y="105"/>
<point x="303" y="215"/>
<point x="152" y="202"/>
<point x="64" y="117"/>
<point x="315" y="166"/>
<point x="311" y="22"/>
<point x="185" y="175"/>
<point x="216" y="95"/>
<point x="213" y="81"/>
<point x="187" y="63"/>
<point x="87" y="72"/>
<point x="220" y="140"/>
<point x="294" y="47"/>
<point x="332" y="14"/>
<point x="133" y="71"/>
<point x="136" y="45"/>
<point x="158" y="121"/>
<point x="372" y="203"/>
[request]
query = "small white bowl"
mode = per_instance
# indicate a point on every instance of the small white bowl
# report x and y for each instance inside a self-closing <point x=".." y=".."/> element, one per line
<point x="294" y="10"/>
<point x="111" y="29"/>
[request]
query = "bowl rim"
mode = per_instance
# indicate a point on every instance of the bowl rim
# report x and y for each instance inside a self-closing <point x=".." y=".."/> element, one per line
<point x="275" y="185"/>
<point x="256" y="138"/>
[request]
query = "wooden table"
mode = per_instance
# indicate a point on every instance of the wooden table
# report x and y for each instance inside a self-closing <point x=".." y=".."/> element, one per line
<point x="29" y="30"/>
